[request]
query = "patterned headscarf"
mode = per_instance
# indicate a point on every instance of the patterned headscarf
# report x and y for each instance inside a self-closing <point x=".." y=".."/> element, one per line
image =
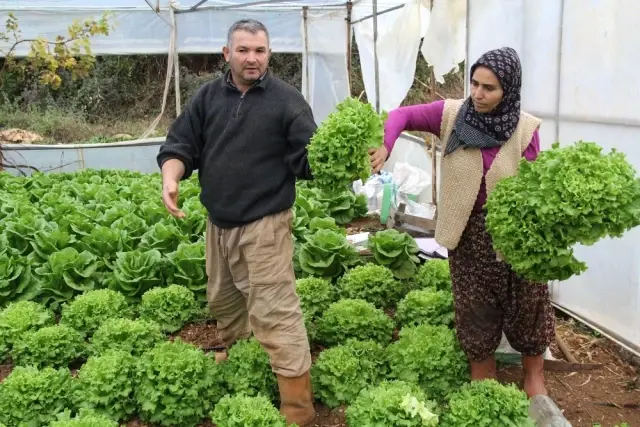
<point x="481" y="130"/>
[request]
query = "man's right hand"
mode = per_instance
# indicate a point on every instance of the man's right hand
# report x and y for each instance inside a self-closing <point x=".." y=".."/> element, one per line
<point x="170" y="198"/>
<point x="172" y="170"/>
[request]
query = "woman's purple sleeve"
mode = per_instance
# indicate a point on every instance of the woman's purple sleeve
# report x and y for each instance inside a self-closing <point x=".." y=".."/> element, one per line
<point x="422" y="117"/>
<point x="532" y="151"/>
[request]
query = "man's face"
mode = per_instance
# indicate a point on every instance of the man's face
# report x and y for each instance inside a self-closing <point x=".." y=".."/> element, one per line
<point x="248" y="56"/>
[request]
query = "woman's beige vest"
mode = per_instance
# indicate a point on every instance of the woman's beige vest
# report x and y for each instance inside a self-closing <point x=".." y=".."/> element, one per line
<point x="461" y="173"/>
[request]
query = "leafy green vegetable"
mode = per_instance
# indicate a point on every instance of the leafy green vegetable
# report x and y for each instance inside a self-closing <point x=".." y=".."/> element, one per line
<point x="106" y="384"/>
<point x="83" y="419"/>
<point x="569" y="195"/>
<point x="33" y="397"/>
<point x="341" y="372"/>
<point x="434" y="274"/>
<point x="248" y="370"/>
<point x="315" y="294"/>
<point x="88" y="311"/>
<point x="135" y="272"/>
<point x="187" y="268"/>
<point x="18" y="318"/>
<point x="396" y="250"/>
<point x="488" y="403"/>
<point x="429" y="356"/>
<point x="177" y="384"/>
<point x="356" y="319"/>
<point x="372" y="283"/>
<point x="327" y="253"/>
<point x="392" y="403"/>
<point x="241" y="410"/>
<point x="133" y="336"/>
<point x="171" y="307"/>
<point x="429" y="307"/>
<point x="55" y="346"/>
<point x="16" y="279"/>
<point x="338" y="152"/>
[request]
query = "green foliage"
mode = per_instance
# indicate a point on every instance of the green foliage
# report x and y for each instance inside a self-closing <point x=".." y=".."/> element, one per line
<point x="177" y="384"/>
<point x="16" y="278"/>
<point x="434" y="274"/>
<point x="248" y="370"/>
<point x="171" y="307"/>
<point x="338" y="152"/>
<point x="187" y="268"/>
<point x="133" y="336"/>
<point x="106" y="385"/>
<point x="372" y="283"/>
<point x="316" y="295"/>
<point x="29" y="396"/>
<point x="429" y="356"/>
<point x="429" y="307"/>
<point x="137" y="271"/>
<point x="392" y="403"/>
<point x="18" y="318"/>
<point x="327" y="253"/>
<point x="90" y="310"/>
<point x="241" y="410"/>
<point x="85" y="418"/>
<point x="568" y="196"/>
<point x="55" y="346"/>
<point x="356" y="319"/>
<point x="341" y="372"/>
<point x="488" y="403"/>
<point x="395" y="250"/>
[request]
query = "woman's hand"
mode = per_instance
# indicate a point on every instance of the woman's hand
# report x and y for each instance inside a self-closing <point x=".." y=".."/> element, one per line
<point x="378" y="158"/>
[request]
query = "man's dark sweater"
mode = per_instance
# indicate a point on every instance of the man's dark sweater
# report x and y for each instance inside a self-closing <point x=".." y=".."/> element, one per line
<point x="248" y="148"/>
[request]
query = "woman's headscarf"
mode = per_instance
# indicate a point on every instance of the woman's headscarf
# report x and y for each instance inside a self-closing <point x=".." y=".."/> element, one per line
<point x="493" y="129"/>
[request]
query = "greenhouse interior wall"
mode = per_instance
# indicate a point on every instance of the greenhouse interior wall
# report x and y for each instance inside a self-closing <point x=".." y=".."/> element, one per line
<point x="585" y="92"/>
<point x="579" y="63"/>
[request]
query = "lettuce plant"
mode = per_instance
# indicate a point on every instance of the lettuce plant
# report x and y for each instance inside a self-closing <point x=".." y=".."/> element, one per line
<point x="83" y="419"/>
<point x="88" y="311"/>
<point x="33" y="397"/>
<point x="426" y="307"/>
<point x="18" y="318"/>
<point x="338" y="151"/>
<point x="341" y="372"/>
<point x="135" y="272"/>
<point x="55" y="346"/>
<point x="248" y="370"/>
<point x="487" y="403"/>
<point x="434" y="274"/>
<point x="187" y="267"/>
<point x="570" y="195"/>
<point x="429" y="356"/>
<point x="372" y="283"/>
<point x="396" y="250"/>
<point x="354" y="318"/>
<point x="105" y="384"/>
<point x="315" y="294"/>
<point x="17" y="282"/>
<point x="177" y="384"/>
<point x="392" y="403"/>
<point x="171" y="307"/>
<point x="133" y="336"/>
<point x="327" y="253"/>
<point x="241" y="410"/>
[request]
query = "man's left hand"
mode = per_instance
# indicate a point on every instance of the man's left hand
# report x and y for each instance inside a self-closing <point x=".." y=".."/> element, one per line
<point x="378" y="158"/>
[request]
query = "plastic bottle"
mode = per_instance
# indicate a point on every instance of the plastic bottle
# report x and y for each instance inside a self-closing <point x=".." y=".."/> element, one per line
<point x="546" y="413"/>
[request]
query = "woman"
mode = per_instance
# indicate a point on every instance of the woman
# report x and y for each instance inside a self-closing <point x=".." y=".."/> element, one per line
<point x="486" y="135"/>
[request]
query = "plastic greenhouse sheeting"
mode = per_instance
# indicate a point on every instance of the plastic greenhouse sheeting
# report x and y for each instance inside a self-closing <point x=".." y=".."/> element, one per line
<point x="579" y="60"/>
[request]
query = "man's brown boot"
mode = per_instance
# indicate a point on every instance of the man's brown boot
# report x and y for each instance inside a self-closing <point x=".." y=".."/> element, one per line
<point x="296" y="400"/>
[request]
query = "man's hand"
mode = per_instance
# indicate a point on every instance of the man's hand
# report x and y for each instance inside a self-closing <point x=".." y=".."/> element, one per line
<point x="378" y="158"/>
<point x="170" y="198"/>
<point x="172" y="171"/>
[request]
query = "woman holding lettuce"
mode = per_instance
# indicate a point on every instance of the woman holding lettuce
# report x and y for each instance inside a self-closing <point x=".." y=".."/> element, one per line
<point x="484" y="137"/>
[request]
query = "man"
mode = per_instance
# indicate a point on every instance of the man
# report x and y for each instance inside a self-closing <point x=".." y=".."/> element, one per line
<point x="247" y="133"/>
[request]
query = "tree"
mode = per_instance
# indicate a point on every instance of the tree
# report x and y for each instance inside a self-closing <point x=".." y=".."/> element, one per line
<point x="46" y="59"/>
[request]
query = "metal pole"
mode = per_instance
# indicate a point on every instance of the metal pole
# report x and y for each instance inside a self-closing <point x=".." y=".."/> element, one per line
<point x="176" y="62"/>
<point x="559" y="76"/>
<point x="349" y="9"/>
<point x="305" y="10"/>
<point x="375" y="54"/>
<point x="467" y="77"/>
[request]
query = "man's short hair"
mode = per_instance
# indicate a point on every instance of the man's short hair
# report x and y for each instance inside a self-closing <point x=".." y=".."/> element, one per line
<point x="250" y="25"/>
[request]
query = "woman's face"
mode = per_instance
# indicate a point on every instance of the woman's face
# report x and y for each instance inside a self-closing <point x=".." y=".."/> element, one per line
<point x="486" y="92"/>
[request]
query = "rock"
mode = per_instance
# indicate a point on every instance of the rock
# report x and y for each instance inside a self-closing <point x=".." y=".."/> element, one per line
<point x="19" y="136"/>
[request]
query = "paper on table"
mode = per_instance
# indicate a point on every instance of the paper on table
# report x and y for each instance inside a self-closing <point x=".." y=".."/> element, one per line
<point x="430" y="246"/>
